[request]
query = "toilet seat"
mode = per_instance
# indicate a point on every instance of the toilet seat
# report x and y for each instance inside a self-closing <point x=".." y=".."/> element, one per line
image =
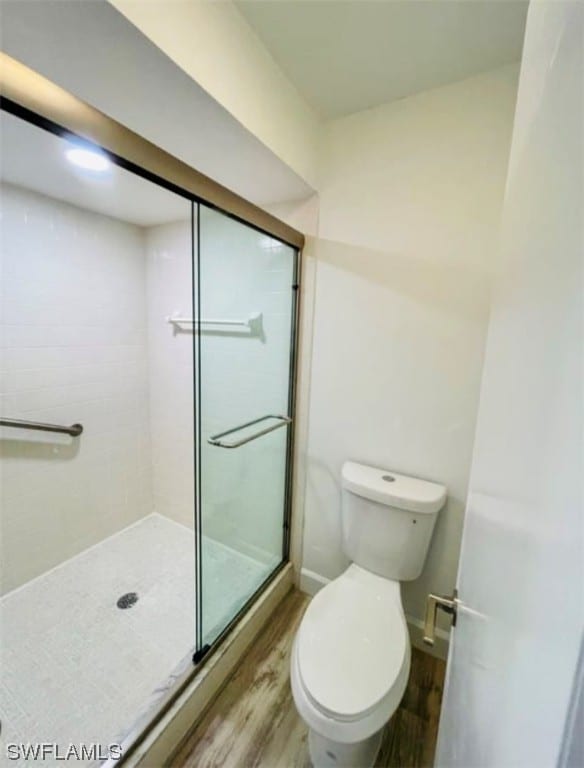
<point x="352" y="655"/>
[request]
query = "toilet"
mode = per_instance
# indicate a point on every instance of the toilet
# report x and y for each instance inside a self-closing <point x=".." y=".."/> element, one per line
<point x="351" y="655"/>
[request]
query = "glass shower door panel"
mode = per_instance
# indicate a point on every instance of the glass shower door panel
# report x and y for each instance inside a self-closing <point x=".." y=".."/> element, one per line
<point x="246" y="287"/>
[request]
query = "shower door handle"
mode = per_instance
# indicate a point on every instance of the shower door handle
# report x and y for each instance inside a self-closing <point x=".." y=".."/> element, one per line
<point x="283" y="421"/>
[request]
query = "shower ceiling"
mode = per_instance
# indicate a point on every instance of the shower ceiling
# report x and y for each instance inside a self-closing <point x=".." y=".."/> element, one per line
<point x="35" y="159"/>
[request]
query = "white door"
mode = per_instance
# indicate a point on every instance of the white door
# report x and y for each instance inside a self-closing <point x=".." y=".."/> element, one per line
<point x="514" y="651"/>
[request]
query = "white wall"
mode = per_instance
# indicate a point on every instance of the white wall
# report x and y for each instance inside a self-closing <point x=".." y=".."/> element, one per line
<point x="409" y="208"/>
<point x="170" y="356"/>
<point x="215" y="46"/>
<point x="73" y="305"/>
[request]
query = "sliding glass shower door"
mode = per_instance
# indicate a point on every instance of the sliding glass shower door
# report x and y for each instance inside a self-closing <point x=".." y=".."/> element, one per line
<point x="246" y="305"/>
<point x="147" y="350"/>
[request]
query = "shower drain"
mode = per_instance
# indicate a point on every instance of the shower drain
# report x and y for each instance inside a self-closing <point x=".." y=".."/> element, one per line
<point x="127" y="600"/>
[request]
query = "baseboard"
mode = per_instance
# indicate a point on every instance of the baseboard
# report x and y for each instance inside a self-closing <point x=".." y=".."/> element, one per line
<point x="311" y="583"/>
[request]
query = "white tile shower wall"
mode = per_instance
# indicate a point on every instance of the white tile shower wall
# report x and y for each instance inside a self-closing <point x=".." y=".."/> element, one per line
<point x="73" y="346"/>
<point x="169" y="271"/>
<point x="410" y="201"/>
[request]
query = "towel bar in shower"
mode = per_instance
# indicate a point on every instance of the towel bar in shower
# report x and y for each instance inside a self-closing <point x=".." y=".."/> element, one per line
<point x="250" y="322"/>
<point x="74" y="430"/>
<point x="215" y="439"/>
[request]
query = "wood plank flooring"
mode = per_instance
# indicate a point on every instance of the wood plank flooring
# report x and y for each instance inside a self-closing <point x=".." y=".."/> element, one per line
<point x="253" y="722"/>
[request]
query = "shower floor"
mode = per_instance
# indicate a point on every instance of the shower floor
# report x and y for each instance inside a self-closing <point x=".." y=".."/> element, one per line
<point x="75" y="668"/>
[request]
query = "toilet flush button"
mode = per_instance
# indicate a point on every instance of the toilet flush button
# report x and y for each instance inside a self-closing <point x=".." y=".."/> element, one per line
<point x="388" y="478"/>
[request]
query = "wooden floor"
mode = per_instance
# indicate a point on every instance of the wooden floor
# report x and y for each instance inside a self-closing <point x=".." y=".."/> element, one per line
<point x="253" y="721"/>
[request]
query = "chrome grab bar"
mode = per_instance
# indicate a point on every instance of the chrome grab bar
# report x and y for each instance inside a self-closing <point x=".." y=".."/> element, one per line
<point x="282" y="422"/>
<point x="74" y="430"/>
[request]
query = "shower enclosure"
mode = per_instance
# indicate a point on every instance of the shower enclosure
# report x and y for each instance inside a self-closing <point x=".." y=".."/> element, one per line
<point x="148" y="360"/>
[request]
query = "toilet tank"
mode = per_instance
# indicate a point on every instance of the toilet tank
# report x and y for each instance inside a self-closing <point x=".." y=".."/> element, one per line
<point x="388" y="520"/>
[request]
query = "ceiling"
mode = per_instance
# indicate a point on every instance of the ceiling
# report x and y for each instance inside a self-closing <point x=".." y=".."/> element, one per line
<point x="349" y="55"/>
<point x="35" y="159"/>
<point x="91" y="50"/>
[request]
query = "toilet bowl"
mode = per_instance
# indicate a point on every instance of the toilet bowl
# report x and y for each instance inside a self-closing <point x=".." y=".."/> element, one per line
<point x="351" y="655"/>
<point x="350" y="666"/>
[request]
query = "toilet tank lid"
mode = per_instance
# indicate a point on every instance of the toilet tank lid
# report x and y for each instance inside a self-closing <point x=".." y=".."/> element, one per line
<point x="393" y="489"/>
